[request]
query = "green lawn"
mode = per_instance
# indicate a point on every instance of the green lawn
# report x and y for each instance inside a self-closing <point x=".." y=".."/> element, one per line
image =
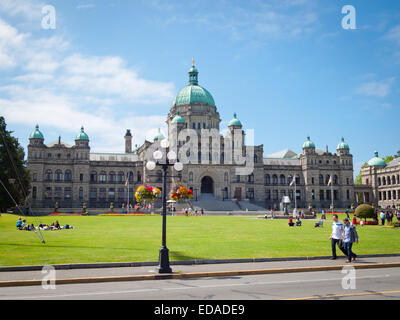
<point x="130" y="238"/>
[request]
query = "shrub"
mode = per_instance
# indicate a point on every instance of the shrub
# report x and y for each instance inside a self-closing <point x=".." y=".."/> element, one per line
<point x="365" y="211"/>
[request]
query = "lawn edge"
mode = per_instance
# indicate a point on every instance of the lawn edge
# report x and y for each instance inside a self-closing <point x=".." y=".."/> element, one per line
<point x="181" y="262"/>
<point x="19" y="283"/>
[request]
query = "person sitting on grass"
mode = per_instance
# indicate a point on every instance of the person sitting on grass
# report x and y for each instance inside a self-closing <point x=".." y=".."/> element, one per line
<point x="57" y="225"/>
<point x="19" y="224"/>
<point x="291" y="223"/>
<point x="319" y="224"/>
<point x="23" y="226"/>
<point x="31" y="227"/>
<point x="298" y="222"/>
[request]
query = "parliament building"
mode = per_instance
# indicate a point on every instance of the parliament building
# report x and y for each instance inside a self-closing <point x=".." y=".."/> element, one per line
<point x="70" y="174"/>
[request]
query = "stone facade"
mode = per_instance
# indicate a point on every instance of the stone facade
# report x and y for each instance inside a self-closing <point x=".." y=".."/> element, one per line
<point x="383" y="182"/>
<point x="72" y="175"/>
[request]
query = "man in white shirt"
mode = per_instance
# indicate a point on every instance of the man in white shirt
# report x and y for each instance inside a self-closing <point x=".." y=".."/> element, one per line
<point x="336" y="235"/>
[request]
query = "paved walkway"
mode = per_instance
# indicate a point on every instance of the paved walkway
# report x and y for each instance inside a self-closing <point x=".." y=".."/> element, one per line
<point x="128" y="271"/>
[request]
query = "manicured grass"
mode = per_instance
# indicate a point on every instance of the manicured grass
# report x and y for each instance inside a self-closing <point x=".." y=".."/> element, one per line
<point x="118" y="239"/>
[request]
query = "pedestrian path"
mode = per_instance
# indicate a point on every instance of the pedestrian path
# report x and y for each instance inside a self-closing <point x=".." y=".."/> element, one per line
<point x="130" y="271"/>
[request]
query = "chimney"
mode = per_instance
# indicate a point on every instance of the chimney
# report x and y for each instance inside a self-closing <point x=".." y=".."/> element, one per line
<point x="128" y="141"/>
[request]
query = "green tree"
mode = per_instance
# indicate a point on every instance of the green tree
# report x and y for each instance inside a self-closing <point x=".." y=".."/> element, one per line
<point x="11" y="149"/>
<point x="388" y="159"/>
<point x="364" y="211"/>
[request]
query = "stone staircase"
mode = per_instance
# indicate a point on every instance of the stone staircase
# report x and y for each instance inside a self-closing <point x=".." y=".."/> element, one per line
<point x="209" y="203"/>
<point x="250" y="206"/>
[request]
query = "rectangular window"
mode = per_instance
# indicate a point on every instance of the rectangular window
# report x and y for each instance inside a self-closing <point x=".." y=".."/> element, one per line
<point x="111" y="194"/>
<point x="68" y="193"/>
<point x="102" y="193"/>
<point x="81" y="177"/>
<point x="48" y="193"/>
<point x="58" y="193"/>
<point x="93" y="194"/>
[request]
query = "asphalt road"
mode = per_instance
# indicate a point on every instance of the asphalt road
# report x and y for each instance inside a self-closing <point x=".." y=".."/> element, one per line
<point x="369" y="284"/>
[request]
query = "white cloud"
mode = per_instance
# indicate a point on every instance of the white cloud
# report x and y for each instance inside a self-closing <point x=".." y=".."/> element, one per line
<point x="29" y="10"/>
<point x="55" y="87"/>
<point x="85" y="6"/>
<point x="376" y="88"/>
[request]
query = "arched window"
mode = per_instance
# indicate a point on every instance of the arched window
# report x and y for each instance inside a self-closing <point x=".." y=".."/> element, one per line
<point x="335" y="179"/>
<point x="384" y="181"/>
<point x="58" y="175"/>
<point x="121" y="176"/>
<point x="68" y="175"/>
<point x="289" y="179"/>
<point x="282" y="179"/>
<point x="139" y="176"/>
<point x="393" y="179"/>
<point x="130" y="177"/>
<point x="226" y="177"/>
<point x="48" y="175"/>
<point x="388" y="181"/>
<point x="274" y="179"/>
<point x="250" y="178"/>
<point x="190" y="176"/>
<point x="103" y="176"/>
<point x="267" y="179"/>
<point x="93" y="176"/>
<point x="34" y="193"/>
<point x="379" y="181"/>
<point x="321" y="179"/>
<point x="111" y="177"/>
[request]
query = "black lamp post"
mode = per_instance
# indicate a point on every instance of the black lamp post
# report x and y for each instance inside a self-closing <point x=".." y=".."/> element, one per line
<point x="164" y="265"/>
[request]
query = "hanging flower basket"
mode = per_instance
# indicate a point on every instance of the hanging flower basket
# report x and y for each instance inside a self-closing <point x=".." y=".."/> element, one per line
<point x="181" y="193"/>
<point x="147" y="193"/>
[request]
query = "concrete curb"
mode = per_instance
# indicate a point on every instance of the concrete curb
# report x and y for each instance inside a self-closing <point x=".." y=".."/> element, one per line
<point x="183" y="262"/>
<point x="19" y="283"/>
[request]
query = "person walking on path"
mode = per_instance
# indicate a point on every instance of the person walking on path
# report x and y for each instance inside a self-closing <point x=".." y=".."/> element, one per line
<point x="383" y="217"/>
<point x="336" y="236"/>
<point x="349" y="237"/>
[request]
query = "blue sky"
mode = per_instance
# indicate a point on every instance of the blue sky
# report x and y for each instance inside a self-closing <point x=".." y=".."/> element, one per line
<point x="287" y="67"/>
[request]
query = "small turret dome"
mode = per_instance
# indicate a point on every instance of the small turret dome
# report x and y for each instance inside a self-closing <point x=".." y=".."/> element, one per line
<point x="82" y="135"/>
<point x="235" y="121"/>
<point x="159" y="136"/>
<point x="178" y="118"/>
<point x="36" y="134"/>
<point x="343" y="145"/>
<point x="308" y="143"/>
<point x="376" y="161"/>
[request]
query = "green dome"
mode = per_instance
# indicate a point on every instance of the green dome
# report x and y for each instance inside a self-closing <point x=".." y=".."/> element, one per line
<point x="308" y="143"/>
<point x="193" y="94"/>
<point x="159" y="136"/>
<point x="235" y="121"/>
<point x="343" y="145"/>
<point x="178" y="118"/>
<point x="36" y="134"/>
<point x="82" y="135"/>
<point x="376" y="161"/>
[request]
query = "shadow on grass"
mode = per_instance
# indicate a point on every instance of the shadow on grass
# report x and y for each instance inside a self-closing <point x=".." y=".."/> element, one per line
<point x="178" y="256"/>
<point x="66" y="247"/>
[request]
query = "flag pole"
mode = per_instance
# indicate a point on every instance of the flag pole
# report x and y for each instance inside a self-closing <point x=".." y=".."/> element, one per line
<point x="127" y="208"/>
<point x="332" y="194"/>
